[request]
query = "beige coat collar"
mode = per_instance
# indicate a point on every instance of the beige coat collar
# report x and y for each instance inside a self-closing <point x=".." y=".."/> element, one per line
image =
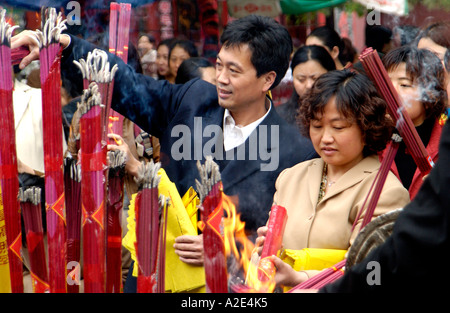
<point x="353" y="176"/>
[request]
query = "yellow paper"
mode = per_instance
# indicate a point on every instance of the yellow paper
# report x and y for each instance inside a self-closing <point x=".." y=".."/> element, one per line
<point x="5" y="280"/>
<point x="180" y="277"/>
<point x="312" y="259"/>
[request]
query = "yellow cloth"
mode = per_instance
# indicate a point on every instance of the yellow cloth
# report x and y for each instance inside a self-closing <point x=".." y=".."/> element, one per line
<point x="312" y="259"/>
<point x="5" y="280"/>
<point x="180" y="277"/>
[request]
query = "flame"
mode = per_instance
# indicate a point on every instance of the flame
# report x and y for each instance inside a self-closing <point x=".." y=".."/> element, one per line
<point x="112" y="120"/>
<point x="259" y="274"/>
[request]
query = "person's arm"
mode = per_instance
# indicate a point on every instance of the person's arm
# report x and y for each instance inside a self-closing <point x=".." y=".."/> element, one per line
<point x="149" y="103"/>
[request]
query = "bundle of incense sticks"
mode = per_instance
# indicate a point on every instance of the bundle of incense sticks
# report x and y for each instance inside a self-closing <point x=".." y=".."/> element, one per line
<point x="72" y="187"/>
<point x="119" y="33"/>
<point x="8" y="160"/>
<point x="50" y="71"/>
<point x="377" y="73"/>
<point x="151" y="227"/>
<point x="96" y="68"/>
<point x="93" y="189"/>
<point x="272" y="243"/>
<point x="210" y="191"/>
<point x="379" y="181"/>
<point x="30" y="200"/>
<point x="18" y="54"/>
<point x="114" y="205"/>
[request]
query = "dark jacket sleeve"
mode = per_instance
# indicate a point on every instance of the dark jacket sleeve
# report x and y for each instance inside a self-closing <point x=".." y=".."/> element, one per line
<point x="414" y="257"/>
<point x="149" y="103"/>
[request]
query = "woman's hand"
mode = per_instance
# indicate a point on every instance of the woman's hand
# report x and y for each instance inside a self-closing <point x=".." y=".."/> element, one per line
<point x="259" y="242"/>
<point x="28" y="39"/>
<point x="190" y="249"/>
<point x="285" y="275"/>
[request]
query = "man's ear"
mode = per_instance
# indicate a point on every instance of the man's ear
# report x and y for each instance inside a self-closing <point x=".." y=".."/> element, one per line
<point x="269" y="79"/>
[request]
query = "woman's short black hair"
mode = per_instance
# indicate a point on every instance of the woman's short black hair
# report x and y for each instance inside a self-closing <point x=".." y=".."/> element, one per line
<point x="357" y="100"/>
<point x="269" y="42"/>
<point x="313" y="52"/>
<point x="329" y="37"/>
<point x="190" y="68"/>
<point x="186" y="45"/>
<point x="427" y="71"/>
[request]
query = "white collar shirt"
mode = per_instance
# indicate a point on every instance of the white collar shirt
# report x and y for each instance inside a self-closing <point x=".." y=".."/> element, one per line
<point x="235" y="135"/>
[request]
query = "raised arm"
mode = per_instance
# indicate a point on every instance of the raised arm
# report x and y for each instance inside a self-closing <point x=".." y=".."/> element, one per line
<point x="149" y="103"/>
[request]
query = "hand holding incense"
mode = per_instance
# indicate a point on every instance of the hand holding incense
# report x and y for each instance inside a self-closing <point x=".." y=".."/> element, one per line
<point x="272" y="243"/>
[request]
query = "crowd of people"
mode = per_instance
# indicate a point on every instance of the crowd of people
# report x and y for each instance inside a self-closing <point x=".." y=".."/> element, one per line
<point x="317" y="155"/>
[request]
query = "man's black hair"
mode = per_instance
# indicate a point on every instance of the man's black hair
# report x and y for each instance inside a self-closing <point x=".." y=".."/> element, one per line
<point x="269" y="42"/>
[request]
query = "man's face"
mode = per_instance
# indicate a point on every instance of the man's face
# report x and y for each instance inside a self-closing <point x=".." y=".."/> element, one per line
<point x="238" y="87"/>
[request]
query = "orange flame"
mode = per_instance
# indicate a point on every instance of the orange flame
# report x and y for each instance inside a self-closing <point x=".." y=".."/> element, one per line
<point x="242" y="249"/>
<point x="112" y="120"/>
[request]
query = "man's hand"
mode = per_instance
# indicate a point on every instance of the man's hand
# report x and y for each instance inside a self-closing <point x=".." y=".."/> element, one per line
<point x="190" y="249"/>
<point x="132" y="164"/>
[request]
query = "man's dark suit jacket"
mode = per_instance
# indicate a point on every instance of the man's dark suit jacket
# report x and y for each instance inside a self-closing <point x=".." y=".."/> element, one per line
<point x="415" y="257"/>
<point x="183" y="115"/>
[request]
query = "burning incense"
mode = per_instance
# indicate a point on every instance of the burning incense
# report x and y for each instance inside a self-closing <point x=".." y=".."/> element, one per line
<point x="210" y="192"/>
<point x="72" y="187"/>
<point x="114" y="206"/>
<point x="30" y="199"/>
<point x="8" y="160"/>
<point x="377" y="73"/>
<point x="151" y="224"/>
<point x="93" y="193"/>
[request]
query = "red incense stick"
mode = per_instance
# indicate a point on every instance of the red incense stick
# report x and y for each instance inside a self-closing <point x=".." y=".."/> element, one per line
<point x="93" y="167"/>
<point x="50" y="59"/>
<point x="150" y="231"/>
<point x="31" y="210"/>
<point x="119" y="32"/>
<point x="8" y="161"/>
<point x="72" y="190"/>
<point x="272" y="243"/>
<point x="114" y="206"/>
<point x="210" y="190"/>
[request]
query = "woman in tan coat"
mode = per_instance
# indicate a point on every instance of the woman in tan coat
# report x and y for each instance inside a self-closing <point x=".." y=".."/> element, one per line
<point x="346" y="121"/>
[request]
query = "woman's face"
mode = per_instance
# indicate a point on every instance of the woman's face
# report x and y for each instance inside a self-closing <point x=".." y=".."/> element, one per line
<point x="337" y="140"/>
<point x="428" y="44"/>
<point x="177" y="56"/>
<point x="409" y="93"/>
<point x="162" y="60"/>
<point x="305" y="74"/>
